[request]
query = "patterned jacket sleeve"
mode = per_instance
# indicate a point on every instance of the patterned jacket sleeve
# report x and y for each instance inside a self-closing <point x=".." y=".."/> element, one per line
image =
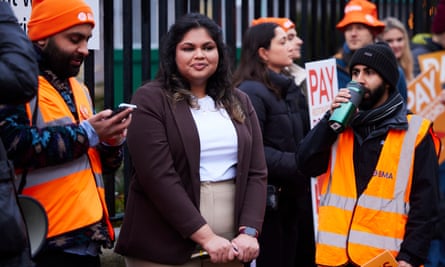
<point x="30" y="147"/>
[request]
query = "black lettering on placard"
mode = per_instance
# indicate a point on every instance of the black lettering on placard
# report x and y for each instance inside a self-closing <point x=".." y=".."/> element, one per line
<point x="24" y="24"/>
<point x="11" y="2"/>
<point x="23" y="21"/>
<point x="26" y="3"/>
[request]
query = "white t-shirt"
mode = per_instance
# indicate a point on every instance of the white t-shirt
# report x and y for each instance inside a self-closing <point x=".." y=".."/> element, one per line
<point x="218" y="140"/>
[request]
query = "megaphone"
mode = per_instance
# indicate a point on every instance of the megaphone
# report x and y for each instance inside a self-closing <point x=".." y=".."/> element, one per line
<point x="36" y="222"/>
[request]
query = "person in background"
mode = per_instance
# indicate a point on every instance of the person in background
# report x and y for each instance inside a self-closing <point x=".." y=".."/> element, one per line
<point x="289" y="27"/>
<point x="396" y="35"/>
<point x="382" y="168"/>
<point x="282" y="111"/>
<point x="198" y="167"/>
<point x="360" y="26"/>
<point x="58" y="146"/>
<point x="18" y="84"/>
<point x="303" y="241"/>
<point x="436" y="43"/>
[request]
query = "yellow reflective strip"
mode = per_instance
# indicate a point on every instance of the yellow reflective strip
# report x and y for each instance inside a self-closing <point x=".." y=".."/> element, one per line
<point x="373" y="240"/>
<point x="58" y="122"/>
<point x="396" y="205"/>
<point x="44" y="175"/>
<point x="331" y="239"/>
<point x="406" y="156"/>
<point x="342" y="202"/>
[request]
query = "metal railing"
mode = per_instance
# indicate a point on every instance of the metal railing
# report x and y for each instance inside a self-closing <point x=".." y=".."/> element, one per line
<point x="315" y="20"/>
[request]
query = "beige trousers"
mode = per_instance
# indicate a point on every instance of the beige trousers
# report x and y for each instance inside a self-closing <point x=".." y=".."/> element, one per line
<point x="217" y="206"/>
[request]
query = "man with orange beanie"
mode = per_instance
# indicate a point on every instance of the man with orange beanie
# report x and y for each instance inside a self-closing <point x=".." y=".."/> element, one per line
<point x="59" y="147"/>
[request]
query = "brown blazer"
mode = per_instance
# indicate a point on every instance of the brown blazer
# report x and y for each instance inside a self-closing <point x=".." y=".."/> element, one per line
<point x="162" y="210"/>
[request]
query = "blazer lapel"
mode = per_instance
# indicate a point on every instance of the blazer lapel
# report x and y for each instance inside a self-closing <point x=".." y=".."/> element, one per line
<point x="188" y="134"/>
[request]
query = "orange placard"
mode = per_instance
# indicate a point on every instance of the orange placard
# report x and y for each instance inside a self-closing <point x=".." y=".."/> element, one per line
<point x="423" y="99"/>
<point x="385" y="259"/>
<point x="436" y="60"/>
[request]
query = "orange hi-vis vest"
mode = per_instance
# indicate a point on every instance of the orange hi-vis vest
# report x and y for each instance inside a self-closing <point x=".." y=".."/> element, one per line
<point x="72" y="193"/>
<point x="358" y="229"/>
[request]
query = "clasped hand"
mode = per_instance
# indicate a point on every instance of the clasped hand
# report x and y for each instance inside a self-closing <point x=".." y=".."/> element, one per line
<point x="244" y="248"/>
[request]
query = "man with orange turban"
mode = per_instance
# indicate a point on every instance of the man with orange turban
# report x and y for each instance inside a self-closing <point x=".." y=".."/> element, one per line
<point x="58" y="145"/>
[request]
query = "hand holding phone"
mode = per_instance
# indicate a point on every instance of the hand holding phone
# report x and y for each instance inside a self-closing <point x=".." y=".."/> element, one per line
<point x="122" y="107"/>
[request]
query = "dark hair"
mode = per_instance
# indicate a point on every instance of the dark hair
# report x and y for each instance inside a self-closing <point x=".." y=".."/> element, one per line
<point x="251" y="66"/>
<point x="219" y="85"/>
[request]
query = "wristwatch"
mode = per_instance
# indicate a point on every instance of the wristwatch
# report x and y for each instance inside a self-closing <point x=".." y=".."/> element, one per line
<point x="249" y="231"/>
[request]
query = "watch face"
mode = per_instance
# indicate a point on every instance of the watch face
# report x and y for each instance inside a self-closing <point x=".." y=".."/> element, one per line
<point x="250" y="231"/>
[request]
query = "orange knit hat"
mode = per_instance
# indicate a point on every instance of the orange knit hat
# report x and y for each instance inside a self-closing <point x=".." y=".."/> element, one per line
<point x="361" y="11"/>
<point x="285" y="24"/>
<point x="49" y="17"/>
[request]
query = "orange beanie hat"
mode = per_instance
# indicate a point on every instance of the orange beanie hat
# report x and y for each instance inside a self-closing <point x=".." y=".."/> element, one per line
<point x="49" y="17"/>
<point x="285" y="24"/>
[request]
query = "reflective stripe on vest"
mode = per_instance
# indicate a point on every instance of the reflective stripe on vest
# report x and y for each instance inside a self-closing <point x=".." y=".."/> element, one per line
<point x="72" y="193"/>
<point x="357" y="230"/>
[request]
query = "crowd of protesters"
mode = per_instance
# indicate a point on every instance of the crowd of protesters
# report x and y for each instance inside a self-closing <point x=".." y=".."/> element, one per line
<point x="221" y="164"/>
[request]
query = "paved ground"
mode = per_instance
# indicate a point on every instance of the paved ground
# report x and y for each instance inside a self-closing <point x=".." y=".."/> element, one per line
<point x="111" y="259"/>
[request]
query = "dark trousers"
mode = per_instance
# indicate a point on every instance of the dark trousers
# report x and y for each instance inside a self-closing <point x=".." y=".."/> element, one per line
<point x="21" y="260"/>
<point x="287" y="237"/>
<point x="52" y="258"/>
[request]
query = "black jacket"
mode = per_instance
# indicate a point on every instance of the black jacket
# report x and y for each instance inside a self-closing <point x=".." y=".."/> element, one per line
<point x="287" y="238"/>
<point x="314" y="155"/>
<point x="18" y="84"/>
<point x="284" y="122"/>
<point x="18" y="65"/>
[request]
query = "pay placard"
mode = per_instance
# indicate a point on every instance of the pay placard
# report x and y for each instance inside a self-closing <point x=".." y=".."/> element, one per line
<point x="436" y="60"/>
<point x="322" y="86"/>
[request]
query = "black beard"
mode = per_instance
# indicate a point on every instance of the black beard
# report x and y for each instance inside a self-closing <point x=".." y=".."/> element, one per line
<point x="58" y="61"/>
<point x="373" y="98"/>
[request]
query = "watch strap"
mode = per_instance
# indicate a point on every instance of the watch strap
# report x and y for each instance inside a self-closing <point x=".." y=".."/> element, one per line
<point x="249" y="231"/>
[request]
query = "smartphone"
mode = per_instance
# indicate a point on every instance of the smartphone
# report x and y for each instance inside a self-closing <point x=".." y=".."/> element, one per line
<point x="122" y="107"/>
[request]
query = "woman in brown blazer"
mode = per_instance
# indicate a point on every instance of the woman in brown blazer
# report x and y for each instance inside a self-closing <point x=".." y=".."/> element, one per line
<point x="198" y="169"/>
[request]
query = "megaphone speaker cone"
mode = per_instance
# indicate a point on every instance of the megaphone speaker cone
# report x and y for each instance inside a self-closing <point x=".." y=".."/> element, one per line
<point x="36" y="222"/>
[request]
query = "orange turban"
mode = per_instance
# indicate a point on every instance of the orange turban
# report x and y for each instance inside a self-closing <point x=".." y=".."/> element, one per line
<point x="49" y="17"/>
<point x="285" y="24"/>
